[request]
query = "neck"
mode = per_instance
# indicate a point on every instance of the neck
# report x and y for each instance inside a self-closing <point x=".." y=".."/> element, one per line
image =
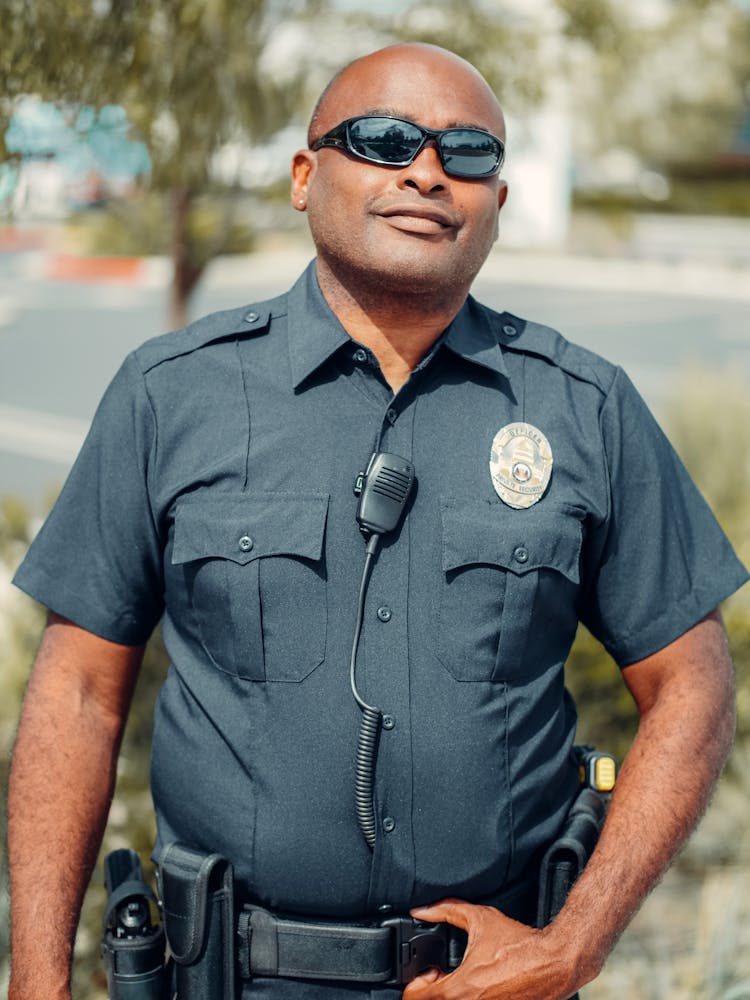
<point x="398" y="327"/>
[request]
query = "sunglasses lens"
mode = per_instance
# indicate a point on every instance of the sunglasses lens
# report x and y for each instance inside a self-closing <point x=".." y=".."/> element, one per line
<point x="465" y="152"/>
<point x="468" y="152"/>
<point x="384" y="139"/>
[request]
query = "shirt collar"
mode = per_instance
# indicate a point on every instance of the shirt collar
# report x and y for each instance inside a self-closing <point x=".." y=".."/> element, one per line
<point x="315" y="333"/>
<point x="472" y="337"/>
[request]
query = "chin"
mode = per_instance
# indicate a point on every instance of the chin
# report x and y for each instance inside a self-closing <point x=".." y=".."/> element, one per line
<point x="426" y="275"/>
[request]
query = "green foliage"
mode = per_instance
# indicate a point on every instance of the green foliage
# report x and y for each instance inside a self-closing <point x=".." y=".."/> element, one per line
<point x="670" y="87"/>
<point x="598" y="23"/>
<point x="506" y="49"/>
<point x="711" y="195"/>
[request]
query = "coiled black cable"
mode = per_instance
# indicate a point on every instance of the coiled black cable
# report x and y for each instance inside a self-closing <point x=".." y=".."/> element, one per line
<point x="367" y="745"/>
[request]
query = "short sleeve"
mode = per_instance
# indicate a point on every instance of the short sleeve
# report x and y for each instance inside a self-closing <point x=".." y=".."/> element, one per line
<point x="660" y="561"/>
<point x="97" y="559"/>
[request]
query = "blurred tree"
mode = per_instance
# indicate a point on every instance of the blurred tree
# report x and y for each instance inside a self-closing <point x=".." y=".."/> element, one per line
<point x="668" y="80"/>
<point x="191" y="75"/>
<point x="506" y="46"/>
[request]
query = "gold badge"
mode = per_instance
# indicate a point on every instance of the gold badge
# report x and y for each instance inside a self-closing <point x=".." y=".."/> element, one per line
<point x="520" y="465"/>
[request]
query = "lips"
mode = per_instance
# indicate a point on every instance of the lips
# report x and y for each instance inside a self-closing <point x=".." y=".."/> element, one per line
<point x="421" y="216"/>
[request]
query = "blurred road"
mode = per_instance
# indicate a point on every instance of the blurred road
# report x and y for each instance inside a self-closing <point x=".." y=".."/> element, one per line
<point x="61" y="340"/>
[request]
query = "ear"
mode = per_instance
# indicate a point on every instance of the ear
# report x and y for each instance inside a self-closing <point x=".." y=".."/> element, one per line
<point x="502" y="194"/>
<point x="303" y="167"/>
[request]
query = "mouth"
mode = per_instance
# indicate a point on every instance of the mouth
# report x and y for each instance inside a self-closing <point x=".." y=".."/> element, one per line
<point x="419" y="219"/>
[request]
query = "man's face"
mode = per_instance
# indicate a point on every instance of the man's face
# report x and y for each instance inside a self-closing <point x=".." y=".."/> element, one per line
<point x="410" y="228"/>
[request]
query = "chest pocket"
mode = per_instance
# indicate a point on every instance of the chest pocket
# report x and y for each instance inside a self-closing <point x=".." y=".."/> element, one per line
<point x="255" y="574"/>
<point x="501" y="569"/>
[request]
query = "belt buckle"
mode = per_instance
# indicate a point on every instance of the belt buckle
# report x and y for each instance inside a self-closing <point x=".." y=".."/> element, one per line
<point x="417" y="946"/>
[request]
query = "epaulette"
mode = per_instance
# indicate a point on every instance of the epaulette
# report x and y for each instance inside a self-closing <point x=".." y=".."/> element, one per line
<point x="250" y="319"/>
<point x="524" y="336"/>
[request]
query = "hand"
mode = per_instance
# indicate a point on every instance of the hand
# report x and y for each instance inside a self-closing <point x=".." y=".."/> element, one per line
<point x="504" y="959"/>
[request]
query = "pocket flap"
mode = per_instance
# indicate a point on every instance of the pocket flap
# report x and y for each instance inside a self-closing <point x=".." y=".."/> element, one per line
<point x="517" y="540"/>
<point x="247" y="526"/>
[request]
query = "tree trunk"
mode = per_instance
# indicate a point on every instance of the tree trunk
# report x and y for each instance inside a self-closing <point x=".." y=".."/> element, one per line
<point x="185" y="272"/>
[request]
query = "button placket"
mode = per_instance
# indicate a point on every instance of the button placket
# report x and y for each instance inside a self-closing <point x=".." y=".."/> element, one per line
<point x="388" y="676"/>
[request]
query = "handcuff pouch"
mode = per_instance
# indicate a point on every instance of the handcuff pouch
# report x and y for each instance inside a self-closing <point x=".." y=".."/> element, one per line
<point x="197" y="892"/>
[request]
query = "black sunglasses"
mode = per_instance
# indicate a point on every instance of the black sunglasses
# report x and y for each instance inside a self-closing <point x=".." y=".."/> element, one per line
<point x="395" y="142"/>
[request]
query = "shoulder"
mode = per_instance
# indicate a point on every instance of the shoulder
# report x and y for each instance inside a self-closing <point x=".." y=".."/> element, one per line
<point x="523" y="337"/>
<point x="248" y="320"/>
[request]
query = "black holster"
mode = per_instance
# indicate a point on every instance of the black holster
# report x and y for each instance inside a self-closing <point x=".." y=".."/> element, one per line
<point x="567" y="856"/>
<point x="197" y="892"/>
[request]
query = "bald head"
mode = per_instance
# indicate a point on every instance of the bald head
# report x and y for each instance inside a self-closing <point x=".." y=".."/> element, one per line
<point x="387" y="80"/>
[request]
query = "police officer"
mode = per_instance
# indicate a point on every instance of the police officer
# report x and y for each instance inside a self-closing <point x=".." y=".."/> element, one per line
<point x="215" y="488"/>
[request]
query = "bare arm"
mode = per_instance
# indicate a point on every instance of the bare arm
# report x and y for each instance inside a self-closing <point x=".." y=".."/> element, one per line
<point x="685" y="697"/>
<point x="61" y="784"/>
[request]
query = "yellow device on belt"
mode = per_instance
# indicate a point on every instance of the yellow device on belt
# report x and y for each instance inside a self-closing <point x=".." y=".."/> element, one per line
<point x="597" y="770"/>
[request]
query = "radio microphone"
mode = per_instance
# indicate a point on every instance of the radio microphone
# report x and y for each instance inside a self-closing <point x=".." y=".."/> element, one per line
<point x="383" y="490"/>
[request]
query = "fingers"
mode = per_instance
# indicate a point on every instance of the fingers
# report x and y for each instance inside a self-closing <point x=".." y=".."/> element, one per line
<point x="452" y="911"/>
<point x="498" y="948"/>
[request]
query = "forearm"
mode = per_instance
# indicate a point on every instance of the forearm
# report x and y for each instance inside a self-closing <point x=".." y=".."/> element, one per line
<point x="664" y="785"/>
<point x="60" y="789"/>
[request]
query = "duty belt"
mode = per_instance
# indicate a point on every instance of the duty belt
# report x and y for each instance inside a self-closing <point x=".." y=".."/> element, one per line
<point x="391" y="952"/>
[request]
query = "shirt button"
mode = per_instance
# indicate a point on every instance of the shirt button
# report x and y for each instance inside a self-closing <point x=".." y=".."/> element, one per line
<point x="521" y="554"/>
<point x="392" y="416"/>
<point x="360" y="355"/>
<point x="250" y="317"/>
<point x="388" y="722"/>
<point x="389" y="824"/>
<point x="385" y="908"/>
<point x="384" y="614"/>
<point x="510" y="331"/>
<point x="245" y="543"/>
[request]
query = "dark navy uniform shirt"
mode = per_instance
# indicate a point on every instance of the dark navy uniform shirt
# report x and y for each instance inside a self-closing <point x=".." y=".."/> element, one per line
<point x="216" y="487"/>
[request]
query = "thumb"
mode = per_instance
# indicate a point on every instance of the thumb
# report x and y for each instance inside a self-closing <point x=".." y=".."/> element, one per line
<point x="421" y="983"/>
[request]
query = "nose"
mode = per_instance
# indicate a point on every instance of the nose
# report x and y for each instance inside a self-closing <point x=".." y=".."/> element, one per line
<point x="425" y="173"/>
